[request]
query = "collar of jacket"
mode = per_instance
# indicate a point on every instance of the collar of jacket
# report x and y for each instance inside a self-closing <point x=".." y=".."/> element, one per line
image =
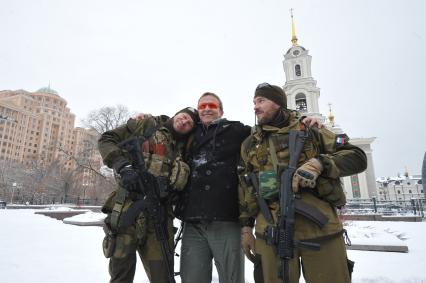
<point x="213" y="123"/>
<point x="294" y="117"/>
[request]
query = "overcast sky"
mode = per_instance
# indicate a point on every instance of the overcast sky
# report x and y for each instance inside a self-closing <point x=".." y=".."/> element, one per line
<point x="368" y="58"/>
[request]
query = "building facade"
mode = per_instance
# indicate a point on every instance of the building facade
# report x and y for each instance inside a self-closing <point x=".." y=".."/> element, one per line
<point x="400" y="188"/>
<point x="303" y="95"/>
<point x="39" y="127"/>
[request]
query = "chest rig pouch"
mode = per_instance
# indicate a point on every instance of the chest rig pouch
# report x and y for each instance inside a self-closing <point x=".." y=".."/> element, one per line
<point x="269" y="184"/>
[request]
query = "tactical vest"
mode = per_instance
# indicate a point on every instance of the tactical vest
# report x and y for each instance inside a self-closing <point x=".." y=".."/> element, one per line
<point x="260" y="148"/>
<point x="161" y="157"/>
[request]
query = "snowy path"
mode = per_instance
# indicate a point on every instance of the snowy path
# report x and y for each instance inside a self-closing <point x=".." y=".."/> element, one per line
<point x="35" y="248"/>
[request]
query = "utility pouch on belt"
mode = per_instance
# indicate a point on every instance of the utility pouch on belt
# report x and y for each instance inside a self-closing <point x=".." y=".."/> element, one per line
<point x="108" y="244"/>
<point x="268" y="184"/>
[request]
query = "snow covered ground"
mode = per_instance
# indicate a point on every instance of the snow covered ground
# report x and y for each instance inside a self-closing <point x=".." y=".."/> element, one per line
<point x="36" y="248"/>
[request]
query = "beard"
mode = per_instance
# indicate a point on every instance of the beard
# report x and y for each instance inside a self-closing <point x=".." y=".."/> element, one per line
<point x="264" y="120"/>
<point x="277" y="119"/>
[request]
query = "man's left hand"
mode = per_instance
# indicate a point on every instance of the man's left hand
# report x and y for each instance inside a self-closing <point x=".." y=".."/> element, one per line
<point x="307" y="174"/>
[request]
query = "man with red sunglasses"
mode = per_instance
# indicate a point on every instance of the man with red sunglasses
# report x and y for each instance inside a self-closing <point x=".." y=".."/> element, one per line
<point x="209" y="205"/>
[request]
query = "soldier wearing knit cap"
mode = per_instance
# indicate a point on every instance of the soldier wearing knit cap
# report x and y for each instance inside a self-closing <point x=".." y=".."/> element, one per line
<point x="192" y="112"/>
<point x="163" y="157"/>
<point x="273" y="93"/>
<point x="325" y="157"/>
<point x="271" y="105"/>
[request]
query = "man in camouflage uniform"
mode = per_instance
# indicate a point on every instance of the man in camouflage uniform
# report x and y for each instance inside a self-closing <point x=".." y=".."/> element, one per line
<point x="325" y="157"/>
<point x="162" y="155"/>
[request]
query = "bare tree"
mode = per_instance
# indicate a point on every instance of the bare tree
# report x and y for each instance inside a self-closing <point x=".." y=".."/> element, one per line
<point x="11" y="173"/>
<point x="85" y="180"/>
<point x="106" y="118"/>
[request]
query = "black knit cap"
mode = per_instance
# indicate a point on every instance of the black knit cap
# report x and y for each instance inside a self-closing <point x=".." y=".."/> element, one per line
<point x="273" y="93"/>
<point x="192" y="112"/>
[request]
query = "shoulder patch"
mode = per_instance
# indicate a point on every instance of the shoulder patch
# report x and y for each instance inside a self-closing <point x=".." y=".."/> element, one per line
<point x="341" y="139"/>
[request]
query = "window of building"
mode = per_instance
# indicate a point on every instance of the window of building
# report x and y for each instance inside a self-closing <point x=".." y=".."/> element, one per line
<point x="297" y="70"/>
<point x="409" y="191"/>
<point x="301" y="104"/>
<point x="399" y="192"/>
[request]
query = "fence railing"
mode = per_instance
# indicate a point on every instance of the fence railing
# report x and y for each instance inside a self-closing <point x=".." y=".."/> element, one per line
<point x="59" y="200"/>
<point x="387" y="207"/>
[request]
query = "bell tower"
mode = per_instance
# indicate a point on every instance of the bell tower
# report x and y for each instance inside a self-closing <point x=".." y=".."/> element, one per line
<point x="301" y="89"/>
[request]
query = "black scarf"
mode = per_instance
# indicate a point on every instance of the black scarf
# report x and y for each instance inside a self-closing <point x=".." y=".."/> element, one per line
<point x="280" y="120"/>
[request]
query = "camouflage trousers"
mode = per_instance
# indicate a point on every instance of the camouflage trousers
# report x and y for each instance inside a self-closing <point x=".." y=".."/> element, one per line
<point x="139" y="238"/>
<point x="327" y="265"/>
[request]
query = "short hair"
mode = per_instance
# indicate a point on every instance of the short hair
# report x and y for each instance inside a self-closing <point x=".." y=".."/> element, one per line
<point x="215" y="96"/>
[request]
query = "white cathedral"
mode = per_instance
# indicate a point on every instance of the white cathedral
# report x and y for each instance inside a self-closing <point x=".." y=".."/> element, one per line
<point x="303" y="94"/>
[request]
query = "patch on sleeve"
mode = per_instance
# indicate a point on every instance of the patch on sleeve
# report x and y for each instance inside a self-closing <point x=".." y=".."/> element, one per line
<point x="342" y="139"/>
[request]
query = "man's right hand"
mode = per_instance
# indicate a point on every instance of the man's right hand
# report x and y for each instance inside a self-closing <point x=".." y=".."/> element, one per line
<point x="129" y="177"/>
<point x="248" y="243"/>
<point x="141" y="116"/>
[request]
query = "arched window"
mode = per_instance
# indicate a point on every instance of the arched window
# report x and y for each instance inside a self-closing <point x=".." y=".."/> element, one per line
<point x="297" y="70"/>
<point x="301" y="104"/>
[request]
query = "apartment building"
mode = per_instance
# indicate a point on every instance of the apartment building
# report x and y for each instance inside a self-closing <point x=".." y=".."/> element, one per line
<point x="38" y="126"/>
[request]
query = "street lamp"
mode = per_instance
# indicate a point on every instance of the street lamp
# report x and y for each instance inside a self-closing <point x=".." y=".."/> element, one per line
<point x="13" y="192"/>
<point x="84" y="192"/>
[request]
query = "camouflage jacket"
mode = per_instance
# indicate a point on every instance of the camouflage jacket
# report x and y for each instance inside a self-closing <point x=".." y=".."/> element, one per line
<point x="339" y="159"/>
<point x="162" y="154"/>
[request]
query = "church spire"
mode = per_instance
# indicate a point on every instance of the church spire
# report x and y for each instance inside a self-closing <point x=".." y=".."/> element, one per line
<point x="330" y="116"/>
<point x="293" y="29"/>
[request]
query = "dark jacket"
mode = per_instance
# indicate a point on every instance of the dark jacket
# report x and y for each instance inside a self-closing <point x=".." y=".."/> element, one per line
<point x="212" y="189"/>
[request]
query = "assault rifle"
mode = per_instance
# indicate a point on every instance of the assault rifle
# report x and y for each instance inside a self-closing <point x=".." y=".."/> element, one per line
<point x="153" y="189"/>
<point x="285" y="229"/>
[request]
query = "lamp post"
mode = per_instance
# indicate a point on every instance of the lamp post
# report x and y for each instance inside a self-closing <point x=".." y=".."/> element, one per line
<point x="13" y="192"/>
<point x="394" y="191"/>
<point x="84" y="192"/>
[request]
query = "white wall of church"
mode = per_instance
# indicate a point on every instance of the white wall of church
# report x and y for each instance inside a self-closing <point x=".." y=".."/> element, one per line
<point x="306" y="85"/>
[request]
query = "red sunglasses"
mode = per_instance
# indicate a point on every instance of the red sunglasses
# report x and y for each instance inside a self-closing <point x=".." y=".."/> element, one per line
<point x="210" y="105"/>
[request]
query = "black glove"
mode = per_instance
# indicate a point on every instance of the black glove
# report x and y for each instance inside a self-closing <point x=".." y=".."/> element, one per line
<point x="129" y="178"/>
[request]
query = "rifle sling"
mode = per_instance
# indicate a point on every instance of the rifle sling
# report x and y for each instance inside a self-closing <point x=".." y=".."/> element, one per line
<point x="120" y="199"/>
<point x="263" y="206"/>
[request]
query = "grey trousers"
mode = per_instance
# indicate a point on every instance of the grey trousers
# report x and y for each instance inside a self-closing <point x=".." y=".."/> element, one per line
<point x="218" y="240"/>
